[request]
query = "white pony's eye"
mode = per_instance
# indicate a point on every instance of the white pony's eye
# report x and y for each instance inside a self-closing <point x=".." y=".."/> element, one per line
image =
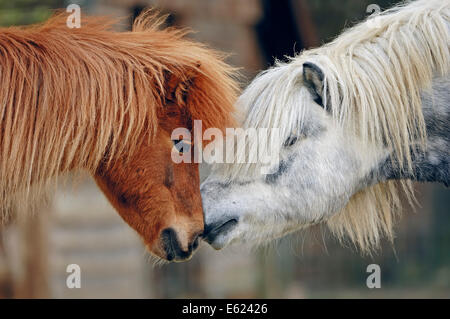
<point x="291" y="140"/>
<point x="182" y="146"/>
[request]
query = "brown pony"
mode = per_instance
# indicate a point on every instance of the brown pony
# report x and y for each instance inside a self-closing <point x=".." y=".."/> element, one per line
<point x="106" y="102"/>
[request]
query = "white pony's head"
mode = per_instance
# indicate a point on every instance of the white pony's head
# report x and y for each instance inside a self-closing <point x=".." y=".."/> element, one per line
<point x="321" y="164"/>
<point x="343" y="111"/>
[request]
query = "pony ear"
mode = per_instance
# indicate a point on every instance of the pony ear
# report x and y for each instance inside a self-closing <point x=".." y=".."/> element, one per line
<point x="313" y="80"/>
<point x="177" y="86"/>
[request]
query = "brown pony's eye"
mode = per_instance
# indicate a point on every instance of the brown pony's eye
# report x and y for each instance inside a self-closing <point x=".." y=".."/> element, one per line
<point x="182" y="146"/>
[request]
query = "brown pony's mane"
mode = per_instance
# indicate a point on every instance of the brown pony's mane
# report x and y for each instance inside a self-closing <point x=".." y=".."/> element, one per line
<point x="69" y="96"/>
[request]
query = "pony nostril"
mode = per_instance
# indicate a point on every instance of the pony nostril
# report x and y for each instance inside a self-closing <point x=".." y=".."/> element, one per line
<point x="172" y="247"/>
<point x="169" y="243"/>
<point x="215" y="229"/>
<point x="194" y="244"/>
<point x="170" y="256"/>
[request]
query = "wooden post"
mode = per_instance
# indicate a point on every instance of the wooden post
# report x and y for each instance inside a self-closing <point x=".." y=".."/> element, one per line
<point x="33" y="235"/>
<point x="305" y="23"/>
<point x="6" y="283"/>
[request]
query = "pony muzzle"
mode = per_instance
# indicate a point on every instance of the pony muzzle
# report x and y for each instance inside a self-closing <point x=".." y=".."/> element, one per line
<point x="174" y="249"/>
<point x="215" y="234"/>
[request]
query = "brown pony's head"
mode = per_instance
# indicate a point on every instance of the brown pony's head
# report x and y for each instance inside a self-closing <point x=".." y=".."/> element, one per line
<point x="157" y="197"/>
<point x="107" y="102"/>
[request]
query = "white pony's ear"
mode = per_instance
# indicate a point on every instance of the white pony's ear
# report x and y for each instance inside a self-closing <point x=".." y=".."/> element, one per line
<point x="313" y="80"/>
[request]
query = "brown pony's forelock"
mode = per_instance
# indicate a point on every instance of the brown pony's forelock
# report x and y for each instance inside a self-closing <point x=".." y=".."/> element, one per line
<point x="69" y="96"/>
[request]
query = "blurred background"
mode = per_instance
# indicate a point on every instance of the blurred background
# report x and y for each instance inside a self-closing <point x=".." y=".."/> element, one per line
<point x="80" y="227"/>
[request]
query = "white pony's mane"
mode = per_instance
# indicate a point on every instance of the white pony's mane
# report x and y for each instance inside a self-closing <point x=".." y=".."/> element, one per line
<point x="374" y="74"/>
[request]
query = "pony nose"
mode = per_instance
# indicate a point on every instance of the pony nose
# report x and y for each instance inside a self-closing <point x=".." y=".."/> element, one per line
<point x="173" y="248"/>
<point x="212" y="231"/>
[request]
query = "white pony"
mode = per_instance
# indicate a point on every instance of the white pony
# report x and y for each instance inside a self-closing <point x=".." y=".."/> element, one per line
<point x="360" y="117"/>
